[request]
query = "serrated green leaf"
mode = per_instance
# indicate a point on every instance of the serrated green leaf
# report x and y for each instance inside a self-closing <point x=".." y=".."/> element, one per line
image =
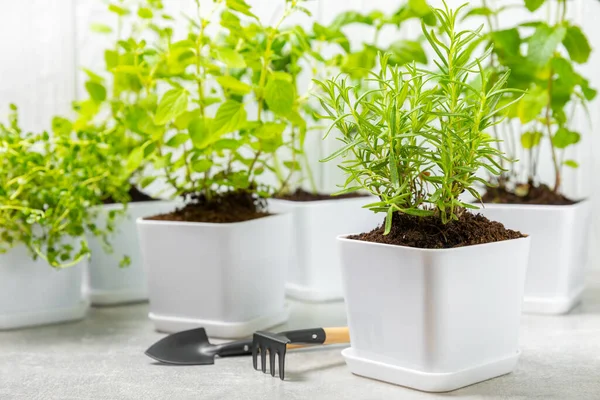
<point x="234" y="85"/>
<point x="533" y="5"/>
<point x="577" y="45"/>
<point x="231" y="116"/>
<point x="230" y="57"/>
<point x="173" y="104"/>
<point x="280" y="95"/>
<point x="177" y="140"/>
<point x="532" y="103"/>
<point x="406" y="51"/>
<point x="543" y="43"/>
<point x="564" y="138"/>
<point x="61" y="126"/>
<point x="530" y="139"/>
<point x="201" y="165"/>
<point x="96" y="91"/>
<point x="270" y="130"/>
<point x="135" y="159"/>
<point x="240" y="6"/>
<point x="183" y="121"/>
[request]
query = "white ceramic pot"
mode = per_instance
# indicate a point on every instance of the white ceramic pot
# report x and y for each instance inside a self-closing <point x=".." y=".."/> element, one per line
<point x="433" y="320"/>
<point x="107" y="283"/>
<point x="559" y="243"/>
<point x="315" y="272"/>
<point x="33" y="293"/>
<point x="228" y="278"/>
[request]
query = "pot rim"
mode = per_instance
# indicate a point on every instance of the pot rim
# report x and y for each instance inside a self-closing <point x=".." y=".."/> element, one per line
<point x="307" y="204"/>
<point x="143" y="221"/>
<point x="120" y="206"/>
<point x="344" y="238"/>
<point x="580" y="203"/>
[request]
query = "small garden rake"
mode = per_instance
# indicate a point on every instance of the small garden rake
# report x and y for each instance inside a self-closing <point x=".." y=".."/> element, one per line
<point x="277" y="344"/>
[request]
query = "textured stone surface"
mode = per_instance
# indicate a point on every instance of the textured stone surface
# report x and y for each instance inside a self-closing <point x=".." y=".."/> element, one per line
<point x="103" y="357"/>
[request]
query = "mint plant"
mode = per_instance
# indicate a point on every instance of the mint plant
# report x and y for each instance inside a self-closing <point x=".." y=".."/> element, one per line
<point x="46" y="189"/>
<point x="543" y="55"/>
<point x="421" y="135"/>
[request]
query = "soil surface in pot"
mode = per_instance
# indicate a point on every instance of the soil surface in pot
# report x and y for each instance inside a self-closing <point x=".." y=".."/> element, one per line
<point x="303" y="195"/>
<point x="135" y="195"/>
<point x="430" y="233"/>
<point x="532" y="194"/>
<point x="225" y="208"/>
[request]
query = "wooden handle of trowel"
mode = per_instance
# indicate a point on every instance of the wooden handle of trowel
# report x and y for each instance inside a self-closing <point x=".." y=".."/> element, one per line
<point x="307" y="337"/>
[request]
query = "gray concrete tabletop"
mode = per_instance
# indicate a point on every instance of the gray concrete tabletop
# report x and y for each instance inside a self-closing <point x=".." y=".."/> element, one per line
<point x="102" y="357"/>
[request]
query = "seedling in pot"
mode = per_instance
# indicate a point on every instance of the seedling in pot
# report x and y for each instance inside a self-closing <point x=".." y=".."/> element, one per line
<point x="418" y="137"/>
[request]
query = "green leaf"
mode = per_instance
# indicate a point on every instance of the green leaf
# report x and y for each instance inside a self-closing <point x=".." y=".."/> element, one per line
<point x="111" y="58"/>
<point x="199" y="132"/>
<point x="183" y="121"/>
<point x="145" y="13"/>
<point x="96" y="91"/>
<point x="405" y="51"/>
<point x="419" y="7"/>
<point x="234" y="85"/>
<point x="533" y="5"/>
<point x="227" y="144"/>
<point x="100" y="28"/>
<point x="507" y="42"/>
<point x="577" y="45"/>
<point x="292" y="165"/>
<point x="118" y="10"/>
<point x="280" y="95"/>
<point x="177" y="140"/>
<point x="388" y="220"/>
<point x="564" y="138"/>
<point x="201" y="165"/>
<point x="240" y="6"/>
<point x="270" y="130"/>
<point x="135" y="159"/>
<point x="61" y="126"/>
<point x="231" y="58"/>
<point x="231" y="116"/>
<point x="532" y="104"/>
<point x="350" y="17"/>
<point x="530" y="139"/>
<point x="543" y="43"/>
<point x="571" y="163"/>
<point x="173" y="104"/>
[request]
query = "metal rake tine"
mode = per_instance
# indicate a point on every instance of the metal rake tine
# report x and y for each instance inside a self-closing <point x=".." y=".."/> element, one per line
<point x="281" y="356"/>
<point x="272" y="362"/>
<point x="255" y="350"/>
<point x="263" y="359"/>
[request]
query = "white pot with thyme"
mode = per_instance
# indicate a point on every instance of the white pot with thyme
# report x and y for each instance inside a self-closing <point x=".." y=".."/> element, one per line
<point x="45" y="191"/>
<point x="434" y="295"/>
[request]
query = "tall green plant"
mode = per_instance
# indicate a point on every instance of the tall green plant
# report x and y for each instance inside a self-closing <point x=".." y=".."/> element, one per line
<point x="543" y="55"/>
<point x="420" y="134"/>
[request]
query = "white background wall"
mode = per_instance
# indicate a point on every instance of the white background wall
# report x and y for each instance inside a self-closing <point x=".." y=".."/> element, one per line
<point x="44" y="42"/>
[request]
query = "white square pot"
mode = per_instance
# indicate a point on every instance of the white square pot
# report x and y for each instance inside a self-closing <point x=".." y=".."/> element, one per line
<point x="315" y="272"/>
<point x="107" y="283"/>
<point x="33" y="293"/>
<point x="228" y="278"/>
<point x="559" y="240"/>
<point x="433" y="320"/>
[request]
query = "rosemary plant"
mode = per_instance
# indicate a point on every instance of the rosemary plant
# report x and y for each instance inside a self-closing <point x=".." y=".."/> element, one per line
<point x="421" y="135"/>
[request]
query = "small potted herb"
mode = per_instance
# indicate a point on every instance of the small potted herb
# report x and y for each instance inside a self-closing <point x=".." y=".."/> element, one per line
<point x="221" y="260"/>
<point x="315" y="271"/>
<point x="46" y="189"/>
<point x="433" y="295"/>
<point x="115" y="118"/>
<point x="543" y="57"/>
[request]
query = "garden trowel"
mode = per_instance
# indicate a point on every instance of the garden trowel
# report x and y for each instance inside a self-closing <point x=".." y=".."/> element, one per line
<point x="193" y="348"/>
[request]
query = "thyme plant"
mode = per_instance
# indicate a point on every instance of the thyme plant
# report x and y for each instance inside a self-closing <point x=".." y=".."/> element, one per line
<point x="543" y="55"/>
<point x="46" y="189"/>
<point x="421" y="135"/>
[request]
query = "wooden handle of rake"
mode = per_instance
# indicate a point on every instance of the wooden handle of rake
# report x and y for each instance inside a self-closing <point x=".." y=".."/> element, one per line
<point x="323" y="336"/>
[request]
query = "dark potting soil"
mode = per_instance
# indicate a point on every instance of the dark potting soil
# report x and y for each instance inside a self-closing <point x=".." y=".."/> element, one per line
<point x="303" y="195"/>
<point x="225" y="208"/>
<point x="430" y="233"/>
<point x="533" y="194"/>
<point x="135" y="195"/>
